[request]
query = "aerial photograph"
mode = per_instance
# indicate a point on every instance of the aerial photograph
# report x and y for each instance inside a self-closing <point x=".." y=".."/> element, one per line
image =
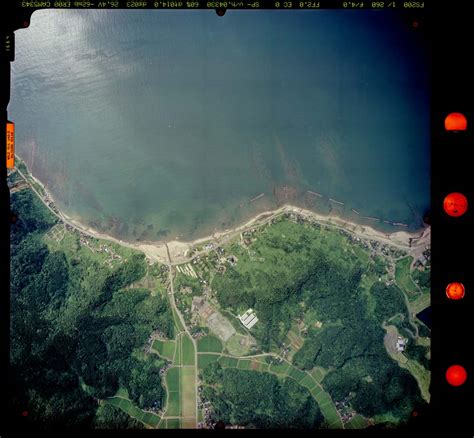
<point x="219" y="222"/>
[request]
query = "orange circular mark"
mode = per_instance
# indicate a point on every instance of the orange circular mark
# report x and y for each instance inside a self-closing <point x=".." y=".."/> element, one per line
<point x="455" y="291"/>
<point x="455" y="122"/>
<point x="456" y="375"/>
<point x="455" y="204"/>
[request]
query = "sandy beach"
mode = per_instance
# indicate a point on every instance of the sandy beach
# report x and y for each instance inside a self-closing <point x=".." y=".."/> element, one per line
<point x="179" y="250"/>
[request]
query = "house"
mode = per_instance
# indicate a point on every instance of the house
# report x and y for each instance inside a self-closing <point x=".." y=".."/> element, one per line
<point x="232" y="259"/>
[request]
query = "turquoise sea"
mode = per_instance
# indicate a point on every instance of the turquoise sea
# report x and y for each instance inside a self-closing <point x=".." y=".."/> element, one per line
<point x="154" y="125"/>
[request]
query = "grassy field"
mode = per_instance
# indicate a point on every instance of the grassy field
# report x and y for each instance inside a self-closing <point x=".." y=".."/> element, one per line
<point x="244" y="364"/>
<point x="294" y="338"/>
<point x="149" y="419"/>
<point x="68" y="242"/>
<point x="178" y="351"/>
<point x="188" y="423"/>
<point x="361" y="254"/>
<point x="308" y="381"/>
<point x="281" y="368"/>
<point x="172" y="379"/>
<point x="173" y="423"/>
<point x="420" y="303"/>
<point x="206" y="359"/>
<point x="188" y="392"/>
<point x="403" y="278"/>
<point x="422" y="376"/>
<point x="318" y="374"/>
<point x="238" y="345"/>
<point x="187" y="350"/>
<point x="173" y="407"/>
<point x="266" y="257"/>
<point x="285" y="370"/>
<point x="297" y="374"/>
<point x="228" y="362"/>
<point x="328" y="410"/>
<point x="209" y="344"/>
<point x="180" y="381"/>
<point x="164" y="348"/>
<point x="181" y="386"/>
<point x="358" y="422"/>
<point x="177" y="322"/>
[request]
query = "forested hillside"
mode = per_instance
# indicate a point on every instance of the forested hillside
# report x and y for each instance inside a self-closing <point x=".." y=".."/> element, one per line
<point x="76" y="334"/>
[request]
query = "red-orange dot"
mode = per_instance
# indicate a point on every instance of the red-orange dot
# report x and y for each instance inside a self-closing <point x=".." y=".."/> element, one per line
<point x="25" y="413"/>
<point x="456" y="375"/>
<point x="455" y="291"/>
<point x="455" y="122"/>
<point x="455" y="204"/>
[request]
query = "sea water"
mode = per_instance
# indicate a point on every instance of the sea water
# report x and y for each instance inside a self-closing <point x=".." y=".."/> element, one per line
<point x="155" y="125"/>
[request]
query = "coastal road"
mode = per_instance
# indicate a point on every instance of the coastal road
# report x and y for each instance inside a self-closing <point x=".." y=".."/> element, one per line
<point x="420" y="241"/>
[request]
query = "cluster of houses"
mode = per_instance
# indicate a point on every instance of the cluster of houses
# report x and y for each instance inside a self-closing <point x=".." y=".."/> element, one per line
<point x="163" y="370"/>
<point x="286" y="349"/>
<point x="153" y="336"/>
<point x="345" y="410"/>
<point x="247" y="237"/>
<point x="50" y="203"/>
<point x="206" y="407"/>
<point x="102" y="248"/>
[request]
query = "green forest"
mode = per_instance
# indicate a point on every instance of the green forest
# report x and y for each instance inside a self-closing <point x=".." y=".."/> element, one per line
<point x="76" y="333"/>
<point x="301" y="274"/>
<point x="260" y="400"/>
<point x="78" y="330"/>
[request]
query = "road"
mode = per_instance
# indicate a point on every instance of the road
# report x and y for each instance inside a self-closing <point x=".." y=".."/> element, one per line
<point x="175" y="309"/>
<point x="418" y="246"/>
<point x="224" y="238"/>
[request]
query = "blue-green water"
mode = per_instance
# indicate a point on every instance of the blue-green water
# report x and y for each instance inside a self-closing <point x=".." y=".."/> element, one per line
<point x="157" y="124"/>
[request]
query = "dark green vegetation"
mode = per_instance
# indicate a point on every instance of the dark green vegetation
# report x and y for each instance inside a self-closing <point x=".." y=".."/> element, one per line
<point x="296" y="272"/>
<point x="418" y="353"/>
<point x="255" y="399"/>
<point x="76" y="334"/>
<point x="112" y="417"/>
<point x="423" y="279"/>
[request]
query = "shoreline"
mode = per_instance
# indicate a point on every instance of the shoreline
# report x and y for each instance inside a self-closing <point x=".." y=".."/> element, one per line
<point x="178" y="250"/>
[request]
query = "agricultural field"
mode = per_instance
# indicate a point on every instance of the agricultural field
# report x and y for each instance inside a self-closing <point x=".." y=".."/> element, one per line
<point x="271" y="270"/>
<point x="180" y="383"/>
<point x="330" y="310"/>
<point x="149" y="419"/>
<point x="282" y="370"/>
<point x="164" y="348"/>
<point x="209" y="344"/>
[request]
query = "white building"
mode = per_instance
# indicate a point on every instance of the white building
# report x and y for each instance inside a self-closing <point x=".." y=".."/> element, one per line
<point x="401" y="344"/>
<point x="248" y="319"/>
